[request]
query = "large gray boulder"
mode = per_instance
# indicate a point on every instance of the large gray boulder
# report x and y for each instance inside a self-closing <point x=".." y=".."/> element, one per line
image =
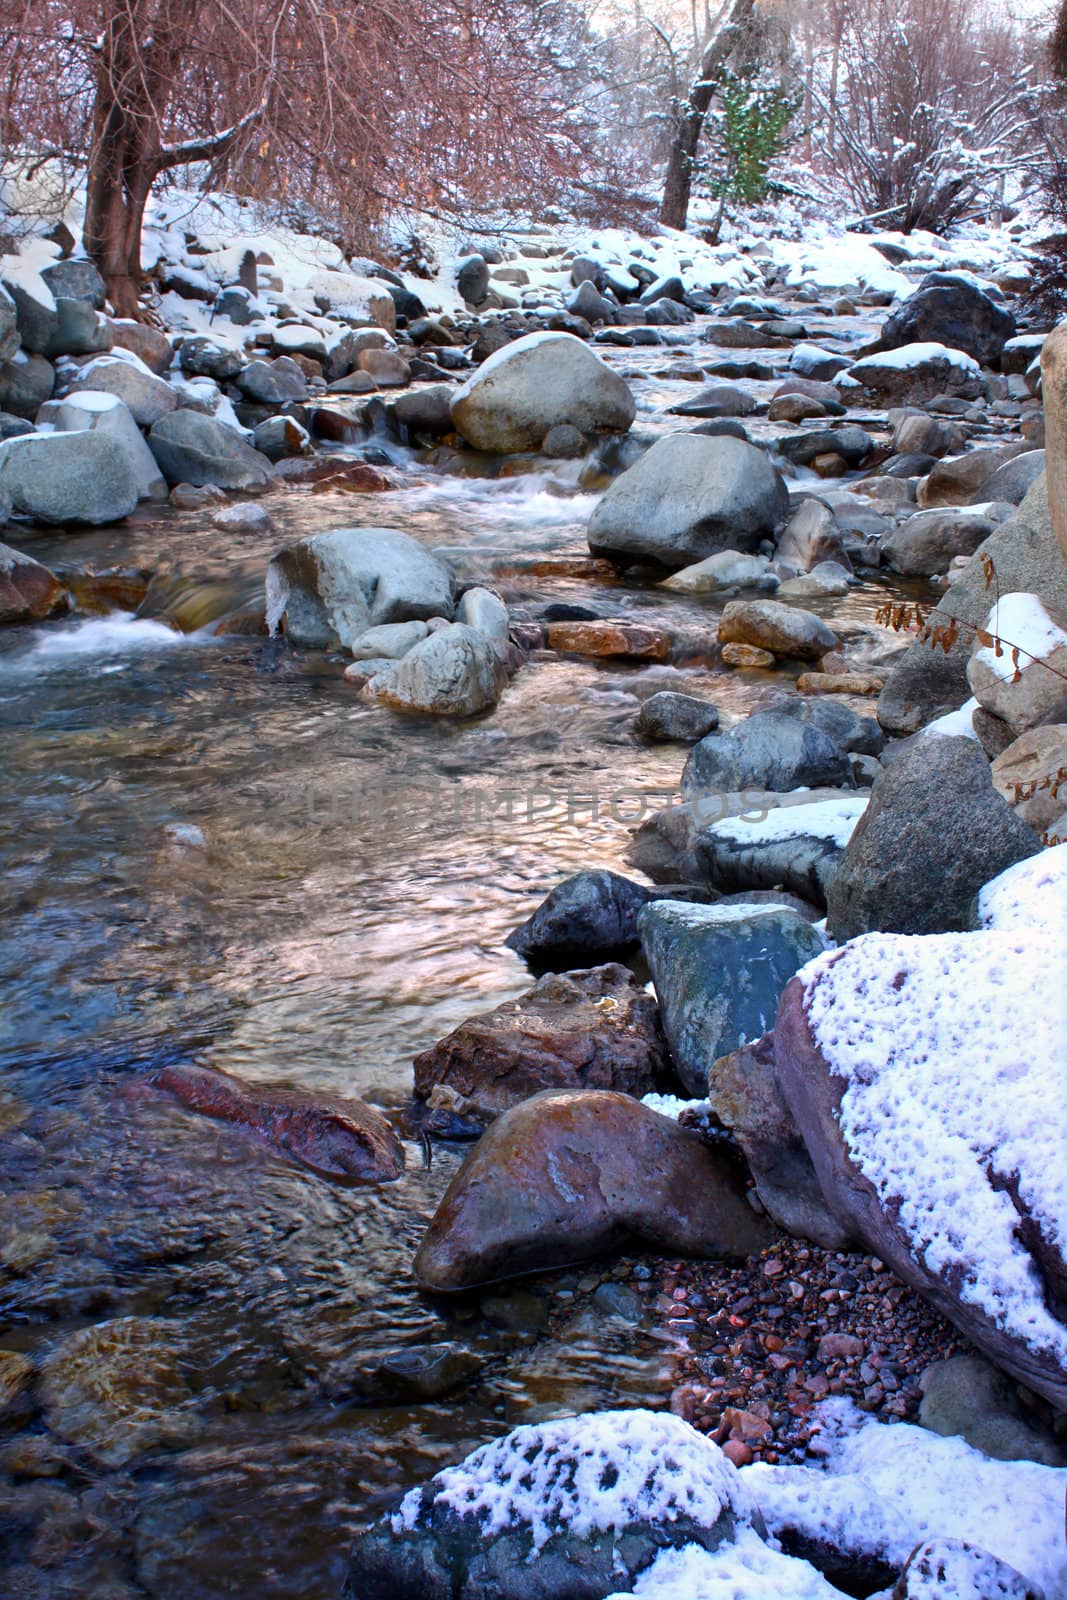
<point x="719" y="972"/>
<point x="35" y="307"/>
<point x="915" y="373"/>
<point x="774" y="749"/>
<point x="928" y="681"/>
<point x="272" y="383"/>
<point x="689" y="497"/>
<point x="947" y="309"/>
<point x="79" y="331"/>
<point x="93" y="410"/>
<point x="126" y="376"/>
<point x="76" y="280"/>
<point x="69" y="478"/>
<point x="454" y="672"/>
<point x="573" y="1174"/>
<point x="534" y="384"/>
<point x="193" y="448"/>
<point x="580" y="1507"/>
<point x="935" y="830"/>
<point x="929" y="542"/>
<point x="331" y="588"/>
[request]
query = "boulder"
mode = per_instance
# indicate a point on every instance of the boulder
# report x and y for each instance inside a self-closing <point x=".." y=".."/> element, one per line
<point x="589" y="916"/>
<point x="1031" y="774"/>
<point x="193" y="448"/>
<point x="903" y="870"/>
<point x="280" y="437"/>
<point x="949" y="310"/>
<point x="826" y="578"/>
<point x="717" y="400"/>
<point x="928" y="542"/>
<point x="965" y="1397"/>
<point x="534" y="383"/>
<point x="574" y="1509"/>
<point x="961" y="480"/>
<point x="773" y="749"/>
<point x="425" y="410"/>
<point x="1012" y="482"/>
<point x="925" y="1077"/>
<point x="587" y="301"/>
<point x="486" y="613"/>
<point x="690" y="497"/>
<point x="389" y="641"/>
<point x="914" y="373"/>
<point x="35" y="309"/>
<point x="794" y="846"/>
<point x="76" y="280"/>
<point x="204" y="355"/>
<point x="472" y="278"/>
<point x="147" y="397"/>
<point x="784" y="630"/>
<point x="149" y="344"/>
<point x="94" y="410"/>
<point x="329" y="589"/>
<point x="344" y="1140"/>
<point x="575" y="1174"/>
<point x="1023" y="680"/>
<point x="69" y="478"/>
<point x="9" y="326"/>
<point x="669" y="716"/>
<point x="28" y="591"/>
<point x="572" y="1030"/>
<point x="455" y="672"/>
<point x="272" y="383"/>
<point x="810" y="536"/>
<point x="728" y="570"/>
<point x="79" y="331"/>
<point x="26" y="382"/>
<point x="852" y="444"/>
<point x="362" y="302"/>
<point x="918" y="431"/>
<point x="719" y="972"/>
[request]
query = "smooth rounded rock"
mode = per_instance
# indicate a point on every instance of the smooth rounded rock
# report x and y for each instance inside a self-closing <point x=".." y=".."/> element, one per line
<point x="784" y="630"/>
<point x="535" y="383"/>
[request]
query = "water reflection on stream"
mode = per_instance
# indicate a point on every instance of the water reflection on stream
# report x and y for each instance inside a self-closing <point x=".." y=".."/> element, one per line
<point x="216" y="1421"/>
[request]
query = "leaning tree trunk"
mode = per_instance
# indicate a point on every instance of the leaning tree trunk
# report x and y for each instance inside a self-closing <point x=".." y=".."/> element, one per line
<point x="681" y="161"/>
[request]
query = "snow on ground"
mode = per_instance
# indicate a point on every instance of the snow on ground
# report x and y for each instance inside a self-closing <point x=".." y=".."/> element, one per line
<point x="832" y="820"/>
<point x="593" y="1474"/>
<point x="951" y="1046"/>
<point x="747" y="1569"/>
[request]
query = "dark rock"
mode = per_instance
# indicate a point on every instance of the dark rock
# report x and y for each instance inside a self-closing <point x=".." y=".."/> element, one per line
<point x="37" y="320"/>
<point x="738" y="855"/>
<point x="572" y="1030"/>
<point x="771" y="749"/>
<point x="25" y="384"/>
<point x="717" y="400"/>
<point x="205" y="357"/>
<point x="853" y="444"/>
<point x="571" y="1175"/>
<point x="76" y="280"/>
<point x="719" y="973"/>
<point x="592" y="915"/>
<point x="928" y="542"/>
<point x="904" y="870"/>
<point x="192" y="448"/>
<point x="272" y="383"/>
<point x="425" y="411"/>
<point x="947" y="309"/>
<point x="670" y="716"/>
<point x="472" y="279"/>
<point x="80" y="331"/>
<point x="340" y="1139"/>
<point x="967" y="1397"/>
<point x="413" y="1375"/>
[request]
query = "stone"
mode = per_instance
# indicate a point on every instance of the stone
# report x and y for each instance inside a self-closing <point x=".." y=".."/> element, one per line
<point x="574" y="1174"/>
<point x="69" y="478"/>
<point x="389" y="641"/>
<point x="440" y="1546"/>
<point x="796" y="847"/>
<point x="784" y="630"/>
<point x="238" y="305"/>
<point x="1026" y="683"/>
<point x="928" y="681"/>
<point x="1031" y="774"/>
<point x="717" y="400"/>
<point x="810" y="536"/>
<point x="587" y="301"/>
<point x="871" y="683"/>
<point x="688" y="498"/>
<point x="573" y="1030"/>
<point x="961" y="480"/>
<point x="794" y="408"/>
<point x="148" y="344"/>
<point x="966" y="1397"/>
<point x="329" y="589"/>
<point x="917" y="431"/>
<point x="79" y="331"/>
<point x="590" y="916"/>
<point x="915" y="373"/>
<point x="90" y="409"/>
<point x="636" y="640"/>
<point x="853" y="445"/>
<point x="947" y="309"/>
<point x="28" y="591"/>
<point x="26" y="382"/>
<point x="147" y="397"/>
<point x="76" y="280"/>
<point x="193" y="448"/>
<point x="719" y="972"/>
<point x="534" y="383"/>
<point x="427" y="410"/>
<point x="773" y="749"/>
<point x="278" y="438"/>
<point x="748" y="656"/>
<point x="485" y="612"/>
<point x="35" y="310"/>
<point x="940" y="1568"/>
<point x="745" y="1096"/>
<point x="272" y="383"/>
<point x="9" y="326"/>
<point x="1012" y="482"/>
<point x="412" y="1375"/>
<point x="16" y="1376"/>
<point x="728" y="570"/>
<point x="563" y="443"/>
<point x="387" y="367"/>
<point x="472" y="278"/>
<point x="344" y="349"/>
<point x="203" y="355"/>
<point x="903" y="871"/>
<point x="455" y="672"/>
<point x="929" y="541"/>
<point x="670" y="716"/>
<point x="826" y="578"/>
<point x="349" y="297"/>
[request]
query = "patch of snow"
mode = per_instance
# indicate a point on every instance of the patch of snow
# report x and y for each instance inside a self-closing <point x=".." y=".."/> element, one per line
<point x="885" y="1487"/>
<point x="669" y="1105"/>
<point x="954" y="724"/>
<point x="1021" y="621"/>
<point x="747" y="1569"/>
<point x="21" y="270"/>
<point x="832" y="820"/>
<point x="917" y="355"/>
<point x="951" y="1046"/>
<point x="1031" y="894"/>
<point x="590" y="1474"/>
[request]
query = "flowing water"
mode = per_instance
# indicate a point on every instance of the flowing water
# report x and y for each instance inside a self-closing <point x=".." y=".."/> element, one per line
<point x="212" y="851"/>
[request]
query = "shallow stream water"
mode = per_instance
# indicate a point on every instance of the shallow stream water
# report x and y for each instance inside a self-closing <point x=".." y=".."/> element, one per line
<point x="213" y="851"/>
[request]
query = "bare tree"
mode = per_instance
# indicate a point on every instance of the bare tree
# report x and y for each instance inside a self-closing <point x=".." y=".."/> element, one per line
<point x="355" y="105"/>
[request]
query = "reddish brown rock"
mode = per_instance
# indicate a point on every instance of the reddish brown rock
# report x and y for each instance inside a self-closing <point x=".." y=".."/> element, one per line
<point x="340" y="1139"/>
<point x="28" y="591"/>
<point x="747" y="655"/>
<point x="635" y="639"/>
<point x="596" y="1029"/>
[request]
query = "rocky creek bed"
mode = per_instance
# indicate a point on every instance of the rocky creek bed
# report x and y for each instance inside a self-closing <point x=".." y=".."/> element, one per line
<point x="232" y="853"/>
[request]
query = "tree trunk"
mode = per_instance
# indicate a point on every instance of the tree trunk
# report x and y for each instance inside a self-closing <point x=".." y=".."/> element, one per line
<point x="681" y="161"/>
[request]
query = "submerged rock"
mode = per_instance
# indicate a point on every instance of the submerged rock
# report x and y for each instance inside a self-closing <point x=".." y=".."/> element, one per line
<point x="568" y="1176"/>
<point x="344" y="1140"/>
<point x="28" y="591"/>
<point x="572" y="1030"/>
<point x="669" y="716"/>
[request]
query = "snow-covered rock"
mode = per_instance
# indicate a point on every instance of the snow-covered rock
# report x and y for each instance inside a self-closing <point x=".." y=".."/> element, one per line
<point x="125" y="375"/>
<point x="915" y="373"/>
<point x="95" y="409"/>
<point x="1021" y="676"/>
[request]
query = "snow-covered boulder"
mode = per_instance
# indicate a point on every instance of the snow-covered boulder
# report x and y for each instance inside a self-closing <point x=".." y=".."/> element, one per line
<point x="949" y="309"/>
<point x="94" y="409"/>
<point x="926" y="1077"/>
<point x="688" y="498"/>
<point x="915" y="373"/>
<point x="67" y="478"/>
<point x="1022" y="679"/>
<point x="532" y="385"/>
<point x="125" y="375"/>
<point x="362" y="302"/>
<point x="794" y="846"/>
<point x="333" y="587"/>
<point x="34" y="301"/>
